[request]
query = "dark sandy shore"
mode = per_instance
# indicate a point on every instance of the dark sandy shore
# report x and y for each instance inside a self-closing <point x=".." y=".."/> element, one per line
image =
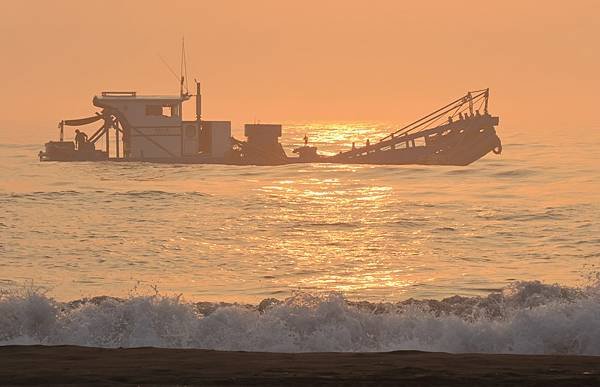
<point x="87" y="366"/>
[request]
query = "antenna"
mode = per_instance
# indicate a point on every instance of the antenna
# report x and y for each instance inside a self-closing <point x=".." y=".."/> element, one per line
<point x="183" y="70"/>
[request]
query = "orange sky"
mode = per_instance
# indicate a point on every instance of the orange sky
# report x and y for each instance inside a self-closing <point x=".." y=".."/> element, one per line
<point x="284" y="61"/>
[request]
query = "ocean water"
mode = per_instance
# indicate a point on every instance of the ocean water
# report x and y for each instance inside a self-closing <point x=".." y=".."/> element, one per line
<point x="498" y="256"/>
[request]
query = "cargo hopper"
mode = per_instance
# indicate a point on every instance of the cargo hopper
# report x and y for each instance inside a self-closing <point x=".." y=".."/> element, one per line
<point x="150" y="128"/>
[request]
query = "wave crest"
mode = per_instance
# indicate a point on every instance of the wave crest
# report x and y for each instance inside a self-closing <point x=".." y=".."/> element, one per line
<point x="527" y="318"/>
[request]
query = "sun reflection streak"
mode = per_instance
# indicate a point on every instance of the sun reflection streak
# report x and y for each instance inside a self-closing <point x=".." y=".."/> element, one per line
<point x="340" y="230"/>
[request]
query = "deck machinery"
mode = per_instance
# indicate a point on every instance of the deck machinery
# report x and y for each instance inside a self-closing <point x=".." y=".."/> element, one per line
<point x="151" y="128"/>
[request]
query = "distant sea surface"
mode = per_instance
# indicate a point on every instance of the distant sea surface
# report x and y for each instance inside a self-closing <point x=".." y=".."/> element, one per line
<point x="525" y="220"/>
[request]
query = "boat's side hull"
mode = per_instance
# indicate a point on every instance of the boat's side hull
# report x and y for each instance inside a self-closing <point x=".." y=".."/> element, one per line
<point x="452" y="147"/>
<point x="464" y="150"/>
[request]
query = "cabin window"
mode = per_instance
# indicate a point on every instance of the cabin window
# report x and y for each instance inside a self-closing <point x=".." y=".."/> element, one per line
<point x="162" y="110"/>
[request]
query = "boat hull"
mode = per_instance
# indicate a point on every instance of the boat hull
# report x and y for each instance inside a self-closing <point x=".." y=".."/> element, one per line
<point x="463" y="150"/>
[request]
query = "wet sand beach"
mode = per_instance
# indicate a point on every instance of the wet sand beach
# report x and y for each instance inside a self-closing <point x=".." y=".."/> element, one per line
<point x="32" y="365"/>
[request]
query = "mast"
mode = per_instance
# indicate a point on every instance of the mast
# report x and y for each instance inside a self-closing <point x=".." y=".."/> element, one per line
<point x="181" y="79"/>
<point x="198" y="103"/>
<point x="183" y="71"/>
<point x="487" y="96"/>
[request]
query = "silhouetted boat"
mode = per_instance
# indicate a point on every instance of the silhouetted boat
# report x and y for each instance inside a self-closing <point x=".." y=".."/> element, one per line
<point x="150" y="128"/>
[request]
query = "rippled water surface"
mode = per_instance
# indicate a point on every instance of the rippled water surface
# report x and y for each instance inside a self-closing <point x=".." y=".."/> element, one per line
<point x="376" y="233"/>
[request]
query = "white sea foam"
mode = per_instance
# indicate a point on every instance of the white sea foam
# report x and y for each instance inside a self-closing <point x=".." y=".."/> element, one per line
<point x="528" y="317"/>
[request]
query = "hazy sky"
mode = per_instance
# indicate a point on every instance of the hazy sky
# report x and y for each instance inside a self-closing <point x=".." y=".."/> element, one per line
<point x="289" y="61"/>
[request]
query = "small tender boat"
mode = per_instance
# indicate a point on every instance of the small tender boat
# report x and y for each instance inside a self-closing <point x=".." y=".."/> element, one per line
<point x="150" y="128"/>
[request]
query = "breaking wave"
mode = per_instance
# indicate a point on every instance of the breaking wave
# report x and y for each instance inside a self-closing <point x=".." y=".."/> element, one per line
<point x="525" y="318"/>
